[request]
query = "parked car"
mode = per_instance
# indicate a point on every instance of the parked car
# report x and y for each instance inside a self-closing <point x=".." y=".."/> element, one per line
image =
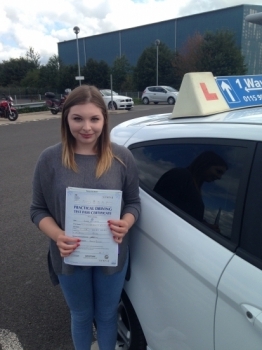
<point x="158" y="94"/>
<point x="119" y="101"/>
<point x="195" y="277"/>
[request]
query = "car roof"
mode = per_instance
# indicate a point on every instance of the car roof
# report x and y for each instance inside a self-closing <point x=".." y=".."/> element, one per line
<point x="242" y="116"/>
<point x="215" y="119"/>
<point x="241" y="125"/>
<point x="163" y="86"/>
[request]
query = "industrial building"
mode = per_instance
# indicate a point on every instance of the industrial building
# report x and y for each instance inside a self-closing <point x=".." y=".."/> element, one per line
<point x="174" y="33"/>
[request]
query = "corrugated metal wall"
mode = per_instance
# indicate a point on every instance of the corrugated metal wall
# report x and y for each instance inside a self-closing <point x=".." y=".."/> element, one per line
<point x="174" y="33"/>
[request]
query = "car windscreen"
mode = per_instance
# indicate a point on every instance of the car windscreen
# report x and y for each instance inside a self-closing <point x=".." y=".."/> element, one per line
<point x="108" y="92"/>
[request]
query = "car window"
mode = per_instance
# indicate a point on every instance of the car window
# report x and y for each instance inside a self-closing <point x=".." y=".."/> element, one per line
<point x="251" y="237"/>
<point x="159" y="89"/>
<point x="151" y="89"/>
<point x="170" y="89"/>
<point x="201" y="180"/>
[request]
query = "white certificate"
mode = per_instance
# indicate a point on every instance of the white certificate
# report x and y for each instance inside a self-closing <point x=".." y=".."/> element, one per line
<point x="87" y="213"/>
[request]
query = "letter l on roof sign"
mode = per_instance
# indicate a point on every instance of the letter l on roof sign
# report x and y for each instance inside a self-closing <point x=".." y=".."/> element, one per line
<point x="199" y="96"/>
<point x="210" y="96"/>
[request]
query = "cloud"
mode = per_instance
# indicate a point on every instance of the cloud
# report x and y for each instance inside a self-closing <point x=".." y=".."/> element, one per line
<point x="42" y="24"/>
<point x="198" y="6"/>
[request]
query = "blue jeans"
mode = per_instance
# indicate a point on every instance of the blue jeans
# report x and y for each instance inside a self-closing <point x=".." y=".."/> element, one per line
<point x="90" y="294"/>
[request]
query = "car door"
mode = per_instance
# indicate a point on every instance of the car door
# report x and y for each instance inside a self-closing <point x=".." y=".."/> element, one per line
<point x="161" y="94"/>
<point x="151" y="93"/>
<point x="238" y="321"/>
<point x="177" y="259"/>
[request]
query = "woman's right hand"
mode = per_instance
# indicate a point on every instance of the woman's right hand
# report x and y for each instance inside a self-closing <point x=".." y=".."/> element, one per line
<point x="67" y="244"/>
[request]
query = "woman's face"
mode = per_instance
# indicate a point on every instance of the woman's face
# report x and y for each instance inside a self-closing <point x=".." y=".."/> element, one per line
<point x="215" y="172"/>
<point x="86" y="123"/>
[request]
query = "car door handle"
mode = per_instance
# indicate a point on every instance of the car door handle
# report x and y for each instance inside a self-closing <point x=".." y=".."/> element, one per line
<point x="253" y="315"/>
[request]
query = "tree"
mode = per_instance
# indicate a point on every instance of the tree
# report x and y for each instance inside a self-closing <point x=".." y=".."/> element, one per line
<point x="49" y="74"/>
<point x="31" y="79"/>
<point x="121" y="72"/>
<point x="220" y="54"/>
<point x="67" y="76"/>
<point x="188" y="58"/>
<point x="14" y="70"/>
<point x="33" y="57"/>
<point x="96" y="73"/>
<point x="145" y="72"/>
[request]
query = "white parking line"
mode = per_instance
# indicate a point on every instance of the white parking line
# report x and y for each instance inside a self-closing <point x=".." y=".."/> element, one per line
<point x="9" y="340"/>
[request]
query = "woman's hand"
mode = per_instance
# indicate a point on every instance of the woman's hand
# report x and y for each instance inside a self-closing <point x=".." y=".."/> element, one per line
<point x="119" y="228"/>
<point x="67" y="244"/>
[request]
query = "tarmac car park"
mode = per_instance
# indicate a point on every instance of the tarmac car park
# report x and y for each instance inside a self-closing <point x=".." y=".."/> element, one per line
<point x="196" y="251"/>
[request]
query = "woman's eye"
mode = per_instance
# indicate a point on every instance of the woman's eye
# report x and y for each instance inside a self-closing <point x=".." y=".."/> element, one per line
<point x="95" y="119"/>
<point x="77" y="118"/>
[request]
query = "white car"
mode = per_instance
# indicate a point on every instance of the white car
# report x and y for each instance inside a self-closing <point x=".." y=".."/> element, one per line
<point x="158" y="94"/>
<point x="115" y="101"/>
<point x="195" y="280"/>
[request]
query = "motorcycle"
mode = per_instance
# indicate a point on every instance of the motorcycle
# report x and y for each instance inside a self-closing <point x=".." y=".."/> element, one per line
<point x="7" y="110"/>
<point x="55" y="105"/>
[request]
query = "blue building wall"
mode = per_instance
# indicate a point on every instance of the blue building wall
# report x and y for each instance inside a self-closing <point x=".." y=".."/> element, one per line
<point x="174" y="33"/>
<point x="230" y="19"/>
<point x="135" y="40"/>
<point x="251" y="42"/>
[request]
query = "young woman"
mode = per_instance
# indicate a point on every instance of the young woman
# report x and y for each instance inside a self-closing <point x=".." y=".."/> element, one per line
<point x="85" y="159"/>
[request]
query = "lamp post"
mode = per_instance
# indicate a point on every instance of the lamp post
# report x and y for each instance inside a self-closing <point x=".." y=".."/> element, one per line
<point x="157" y="42"/>
<point x="255" y="18"/>
<point x="77" y="30"/>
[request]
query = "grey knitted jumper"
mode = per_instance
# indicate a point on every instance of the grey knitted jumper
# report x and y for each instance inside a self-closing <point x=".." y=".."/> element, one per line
<point x="51" y="179"/>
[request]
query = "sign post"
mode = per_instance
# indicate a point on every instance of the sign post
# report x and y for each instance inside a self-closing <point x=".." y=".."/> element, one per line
<point x="80" y="78"/>
<point x="111" y="86"/>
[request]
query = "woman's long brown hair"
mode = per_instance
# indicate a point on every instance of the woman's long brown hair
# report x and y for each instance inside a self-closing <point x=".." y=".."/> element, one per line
<point x="82" y="95"/>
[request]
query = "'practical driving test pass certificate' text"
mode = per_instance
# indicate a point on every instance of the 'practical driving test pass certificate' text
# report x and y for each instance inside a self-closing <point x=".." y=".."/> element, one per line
<point x="87" y="213"/>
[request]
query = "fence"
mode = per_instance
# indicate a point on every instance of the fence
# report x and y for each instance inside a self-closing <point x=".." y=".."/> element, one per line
<point x="29" y="104"/>
<point x="31" y="101"/>
<point x="29" y="98"/>
<point x="18" y="99"/>
<point x="133" y="94"/>
<point x="38" y="100"/>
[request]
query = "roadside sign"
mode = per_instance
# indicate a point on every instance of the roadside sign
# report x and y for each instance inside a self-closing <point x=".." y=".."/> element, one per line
<point x="241" y="91"/>
<point x="80" y="78"/>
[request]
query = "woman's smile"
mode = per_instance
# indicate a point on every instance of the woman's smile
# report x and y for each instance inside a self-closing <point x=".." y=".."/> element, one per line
<point x="86" y="136"/>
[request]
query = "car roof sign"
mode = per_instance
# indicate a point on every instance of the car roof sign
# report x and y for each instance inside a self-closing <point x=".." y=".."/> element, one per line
<point x="199" y="96"/>
<point x="242" y="90"/>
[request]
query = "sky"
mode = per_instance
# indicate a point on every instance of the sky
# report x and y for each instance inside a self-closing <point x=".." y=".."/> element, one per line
<point x="42" y="24"/>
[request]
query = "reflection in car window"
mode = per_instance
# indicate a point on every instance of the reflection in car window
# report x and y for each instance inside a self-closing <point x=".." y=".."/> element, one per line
<point x="200" y="179"/>
<point x="251" y="240"/>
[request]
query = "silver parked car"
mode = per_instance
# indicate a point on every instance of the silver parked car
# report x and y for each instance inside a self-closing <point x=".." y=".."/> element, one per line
<point x="158" y="94"/>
